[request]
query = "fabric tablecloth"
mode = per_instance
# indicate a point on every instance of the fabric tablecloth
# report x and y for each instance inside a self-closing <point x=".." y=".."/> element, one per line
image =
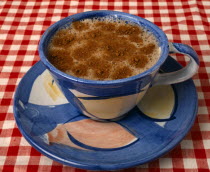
<point x="23" y="22"/>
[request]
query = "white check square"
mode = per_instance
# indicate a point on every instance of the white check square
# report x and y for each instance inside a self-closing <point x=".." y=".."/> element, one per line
<point x="190" y="163"/>
<point x="202" y="110"/>
<point x="118" y="4"/>
<point x="45" y="161"/>
<point x="165" y="163"/>
<point x="204" y="126"/>
<point x="2" y="160"/>
<point x="5" y="141"/>
<point x="23" y="142"/>
<point x="8" y="124"/>
<point x="206" y="144"/>
<point x="22" y="160"/>
<point x="187" y="144"/>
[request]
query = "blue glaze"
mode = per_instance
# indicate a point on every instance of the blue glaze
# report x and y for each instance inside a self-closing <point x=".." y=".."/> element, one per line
<point x="152" y="140"/>
<point x="186" y="49"/>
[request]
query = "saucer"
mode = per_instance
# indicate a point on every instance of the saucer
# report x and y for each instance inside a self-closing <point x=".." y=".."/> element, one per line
<point x="56" y="129"/>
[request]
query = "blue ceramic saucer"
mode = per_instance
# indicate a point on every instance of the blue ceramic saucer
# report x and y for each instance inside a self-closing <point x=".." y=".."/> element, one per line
<point x="56" y="129"/>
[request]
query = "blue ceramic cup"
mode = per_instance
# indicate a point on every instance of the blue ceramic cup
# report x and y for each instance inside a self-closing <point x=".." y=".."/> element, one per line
<point x="111" y="100"/>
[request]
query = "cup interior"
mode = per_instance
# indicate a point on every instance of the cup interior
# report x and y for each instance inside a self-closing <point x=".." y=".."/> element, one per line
<point x="114" y="15"/>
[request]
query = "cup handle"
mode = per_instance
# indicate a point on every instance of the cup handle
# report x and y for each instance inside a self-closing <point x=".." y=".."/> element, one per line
<point x="183" y="74"/>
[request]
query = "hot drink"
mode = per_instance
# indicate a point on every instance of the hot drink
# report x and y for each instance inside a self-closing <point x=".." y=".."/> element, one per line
<point x="103" y="50"/>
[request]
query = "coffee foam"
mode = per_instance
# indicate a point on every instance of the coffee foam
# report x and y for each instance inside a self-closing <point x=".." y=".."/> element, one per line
<point x="147" y="38"/>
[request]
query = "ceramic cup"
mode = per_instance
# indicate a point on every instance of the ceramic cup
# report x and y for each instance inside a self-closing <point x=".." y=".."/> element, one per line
<point x="111" y="100"/>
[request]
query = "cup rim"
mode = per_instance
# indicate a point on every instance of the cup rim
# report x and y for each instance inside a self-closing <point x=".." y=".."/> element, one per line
<point x="147" y="23"/>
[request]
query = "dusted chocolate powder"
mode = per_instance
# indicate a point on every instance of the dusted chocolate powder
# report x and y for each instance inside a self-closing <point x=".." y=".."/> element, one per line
<point x="103" y="50"/>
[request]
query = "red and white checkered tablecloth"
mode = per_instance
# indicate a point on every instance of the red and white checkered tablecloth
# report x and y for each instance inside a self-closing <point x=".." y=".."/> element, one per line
<point x="21" y="26"/>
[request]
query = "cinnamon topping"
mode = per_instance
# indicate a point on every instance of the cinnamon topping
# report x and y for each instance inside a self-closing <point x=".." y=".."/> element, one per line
<point x="101" y="50"/>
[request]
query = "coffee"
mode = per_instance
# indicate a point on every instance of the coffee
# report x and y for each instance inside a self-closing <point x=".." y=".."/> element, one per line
<point x="103" y="49"/>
